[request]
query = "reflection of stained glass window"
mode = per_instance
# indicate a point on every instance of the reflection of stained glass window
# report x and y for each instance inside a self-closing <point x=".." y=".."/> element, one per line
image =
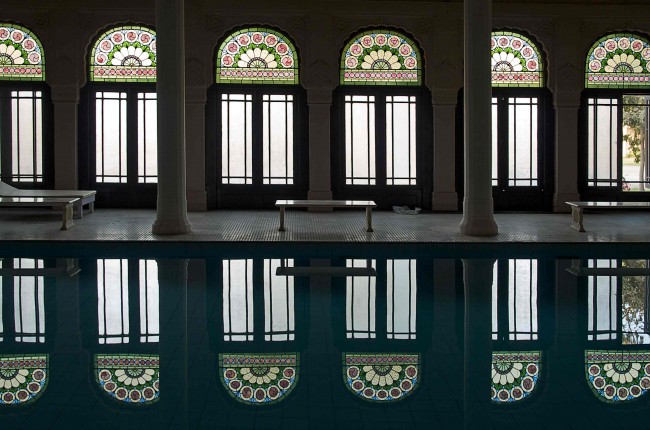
<point x="381" y="377"/>
<point x="516" y="61"/>
<point x="124" y="54"/>
<point x="133" y="379"/>
<point x="259" y="379"/>
<point x="514" y="375"/>
<point x="381" y="57"/>
<point x="21" y="54"/>
<point x="23" y="378"/>
<point x="257" y="55"/>
<point x="618" y="376"/>
<point x="619" y="61"/>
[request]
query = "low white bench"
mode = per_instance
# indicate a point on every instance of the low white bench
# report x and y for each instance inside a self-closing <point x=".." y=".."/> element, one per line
<point x="66" y="204"/>
<point x="85" y="197"/>
<point x="350" y="204"/>
<point x="578" y="208"/>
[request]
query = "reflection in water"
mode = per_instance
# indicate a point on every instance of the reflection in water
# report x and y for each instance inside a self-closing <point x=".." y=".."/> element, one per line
<point x="381" y="377"/>
<point x="618" y="376"/>
<point x="29" y="308"/>
<point x="238" y="300"/>
<point x="514" y="300"/>
<point x="402" y="291"/>
<point x="360" y="293"/>
<point x="113" y="301"/>
<point x="279" y="318"/>
<point x="149" y="301"/>
<point x="23" y="378"/>
<point x="129" y="378"/>
<point x="514" y="375"/>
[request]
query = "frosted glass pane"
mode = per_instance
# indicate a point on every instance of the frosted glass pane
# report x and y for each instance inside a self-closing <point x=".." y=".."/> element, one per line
<point x="113" y="301"/>
<point x="279" y="317"/>
<point x="522" y="299"/>
<point x="236" y="139"/>
<point x="26" y="136"/>
<point x="110" y="134"/>
<point x="495" y="301"/>
<point x="360" y="293"/>
<point x="277" y="139"/>
<point x="238" y="300"/>
<point x="147" y="138"/>
<point x="495" y="142"/>
<point x="400" y="140"/>
<point x="522" y="142"/>
<point x="149" y="301"/>
<point x="401" y="295"/>
<point x="29" y="308"/>
<point x="360" y="140"/>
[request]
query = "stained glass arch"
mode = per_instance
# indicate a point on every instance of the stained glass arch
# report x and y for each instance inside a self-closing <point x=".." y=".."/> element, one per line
<point x="381" y="57"/>
<point x="381" y="378"/>
<point x="21" y="54"/>
<point x="23" y="378"/>
<point x="124" y="53"/>
<point x="259" y="379"/>
<point x="257" y="55"/>
<point x="619" y="60"/>
<point x="515" y="375"/>
<point x="128" y="378"/>
<point x="618" y="376"/>
<point x="516" y="61"/>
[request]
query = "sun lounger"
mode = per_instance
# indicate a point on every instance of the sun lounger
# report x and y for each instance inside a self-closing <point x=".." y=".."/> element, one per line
<point x="84" y="197"/>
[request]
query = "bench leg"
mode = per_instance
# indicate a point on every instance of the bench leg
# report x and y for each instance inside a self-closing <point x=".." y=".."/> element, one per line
<point x="576" y="218"/>
<point x="369" y="219"/>
<point x="281" y="220"/>
<point x="91" y="207"/>
<point x="68" y="212"/>
<point x="79" y="211"/>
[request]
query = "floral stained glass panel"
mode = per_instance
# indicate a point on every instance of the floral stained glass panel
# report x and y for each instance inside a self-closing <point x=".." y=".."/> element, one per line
<point x="619" y="61"/>
<point x="381" y="377"/>
<point x="129" y="378"/>
<point x="257" y="56"/>
<point x="381" y="57"/>
<point x="514" y="375"/>
<point x="516" y="61"/>
<point x="124" y="54"/>
<point x="21" y="54"/>
<point x="259" y="379"/>
<point x="618" y="376"/>
<point x="23" y="378"/>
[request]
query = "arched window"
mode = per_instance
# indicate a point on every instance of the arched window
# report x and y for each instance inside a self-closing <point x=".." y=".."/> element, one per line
<point x="521" y="148"/>
<point x="23" y="378"/>
<point x="618" y="376"/>
<point x="380" y="113"/>
<point x="118" y="111"/>
<point x="615" y="112"/>
<point x="514" y="375"/>
<point x="256" y="150"/>
<point x="26" y="158"/>
<point x="129" y="378"/>
<point x="381" y="377"/>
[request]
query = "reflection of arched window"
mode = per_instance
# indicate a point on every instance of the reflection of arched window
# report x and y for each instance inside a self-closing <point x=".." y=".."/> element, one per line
<point x="380" y="116"/>
<point x="28" y="293"/>
<point x="518" y="130"/>
<point x="116" y="295"/>
<point x="381" y="377"/>
<point x="616" y="104"/>
<point x="238" y="277"/>
<point x="258" y="106"/>
<point x="618" y="376"/>
<point x="259" y="379"/>
<point x="129" y="378"/>
<point x="121" y="154"/>
<point x="25" y="148"/>
<point x="23" y="379"/>
<point x="514" y="375"/>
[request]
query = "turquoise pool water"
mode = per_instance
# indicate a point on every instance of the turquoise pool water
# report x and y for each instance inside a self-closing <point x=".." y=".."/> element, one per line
<point x="285" y="337"/>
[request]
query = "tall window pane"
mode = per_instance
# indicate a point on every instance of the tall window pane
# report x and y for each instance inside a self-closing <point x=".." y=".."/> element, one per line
<point x="110" y="137"/>
<point x="147" y="138"/>
<point x="602" y="153"/>
<point x="149" y="301"/>
<point x="522" y="141"/>
<point x="495" y="142"/>
<point x="237" y="300"/>
<point x="402" y="292"/>
<point x="279" y="316"/>
<point x="602" y="306"/>
<point x="400" y="140"/>
<point x="360" y="295"/>
<point x="27" y="136"/>
<point x="236" y="139"/>
<point x="29" y="304"/>
<point x="636" y="138"/>
<point x="113" y="301"/>
<point x="277" y="139"/>
<point x="522" y="299"/>
<point x="360" y="140"/>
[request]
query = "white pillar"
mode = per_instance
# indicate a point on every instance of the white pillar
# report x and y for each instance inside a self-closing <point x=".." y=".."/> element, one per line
<point x="171" y="214"/>
<point x="478" y="208"/>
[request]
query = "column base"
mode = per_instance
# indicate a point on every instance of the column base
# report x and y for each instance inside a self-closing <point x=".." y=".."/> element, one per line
<point x="319" y="195"/>
<point x="444" y="201"/>
<point x="171" y="226"/>
<point x="560" y="199"/>
<point x="481" y="224"/>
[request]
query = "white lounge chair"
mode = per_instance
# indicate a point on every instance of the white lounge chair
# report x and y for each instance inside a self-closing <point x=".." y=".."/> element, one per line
<point x="85" y="197"/>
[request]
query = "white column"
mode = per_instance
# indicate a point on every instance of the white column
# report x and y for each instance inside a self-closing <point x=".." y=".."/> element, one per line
<point x="478" y="208"/>
<point x="171" y="215"/>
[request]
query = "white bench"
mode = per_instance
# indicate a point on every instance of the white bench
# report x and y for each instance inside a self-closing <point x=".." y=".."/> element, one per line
<point x="350" y="204"/>
<point x="65" y="203"/>
<point x="578" y="208"/>
<point x="85" y="197"/>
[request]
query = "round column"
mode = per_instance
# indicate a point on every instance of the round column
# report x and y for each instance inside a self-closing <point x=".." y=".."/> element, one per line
<point x="478" y="208"/>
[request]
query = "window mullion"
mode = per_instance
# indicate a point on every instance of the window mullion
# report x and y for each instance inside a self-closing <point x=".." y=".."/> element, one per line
<point x="380" y="139"/>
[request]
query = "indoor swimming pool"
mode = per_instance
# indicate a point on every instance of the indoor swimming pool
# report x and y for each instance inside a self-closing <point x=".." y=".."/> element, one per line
<point x="319" y="337"/>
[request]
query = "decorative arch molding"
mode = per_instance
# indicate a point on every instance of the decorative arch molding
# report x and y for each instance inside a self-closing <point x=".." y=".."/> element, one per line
<point x="517" y="61"/>
<point x="618" y="60"/>
<point x="257" y="55"/>
<point x="259" y="379"/>
<point x="618" y="376"/>
<point x="125" y="53"/>
<point x="381" y="377"/>
<point x="381" y="56"/>
<point x="23" y="378"/>
<point x="515" y="375"/>
<point x="22" y="57"/>
<point x="133" y="379"/>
